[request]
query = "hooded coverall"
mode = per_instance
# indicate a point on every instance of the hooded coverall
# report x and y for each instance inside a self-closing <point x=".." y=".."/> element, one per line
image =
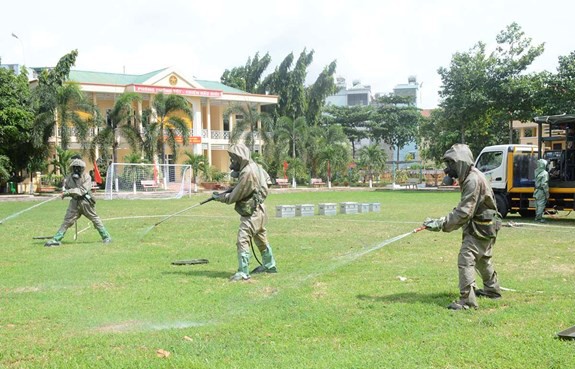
<point x="249" y="195"/>
<point x="541" y="193"/>
<point x="81" y="203"/>
<point x="477" y="214"/>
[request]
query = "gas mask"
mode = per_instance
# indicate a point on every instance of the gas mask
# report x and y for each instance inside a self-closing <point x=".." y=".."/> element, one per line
<point x="450" y="172"/>
<point x="234" y="163"/>
<point x="451" y="169"/>
<point x="77" y="172"/>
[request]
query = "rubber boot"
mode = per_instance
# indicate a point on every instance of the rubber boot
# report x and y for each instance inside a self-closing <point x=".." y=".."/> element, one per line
<point x="55" y="241"/>
<point x="268" y="262"/>
<point x="105" y="235"/>
<point x="243" y="273"/>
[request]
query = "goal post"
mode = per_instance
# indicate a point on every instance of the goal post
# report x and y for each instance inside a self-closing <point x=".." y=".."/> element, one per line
<point x="141" y="181"/>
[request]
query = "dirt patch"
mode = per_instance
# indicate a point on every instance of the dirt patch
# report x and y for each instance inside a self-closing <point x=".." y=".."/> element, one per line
<point x="119" y="327"/>
<point x="319" y="290"/>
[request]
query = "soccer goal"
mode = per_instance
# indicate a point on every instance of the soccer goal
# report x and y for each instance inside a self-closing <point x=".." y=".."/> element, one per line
<point x="141" y="181"/>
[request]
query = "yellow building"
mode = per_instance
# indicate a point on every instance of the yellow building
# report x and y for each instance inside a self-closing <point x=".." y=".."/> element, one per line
<point x="210" y="129"/>
<point x="527" y="134"/>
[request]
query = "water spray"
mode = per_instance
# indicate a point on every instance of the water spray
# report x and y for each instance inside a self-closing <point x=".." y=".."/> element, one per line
<point x="30" y="208"/>
<point x="184" y="210"/>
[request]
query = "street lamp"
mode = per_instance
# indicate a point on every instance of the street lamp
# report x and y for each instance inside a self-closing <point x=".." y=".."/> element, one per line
<point x="22" y="46"/>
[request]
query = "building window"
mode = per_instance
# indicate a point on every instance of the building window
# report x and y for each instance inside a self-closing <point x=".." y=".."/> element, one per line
<point x="357" y="99"/>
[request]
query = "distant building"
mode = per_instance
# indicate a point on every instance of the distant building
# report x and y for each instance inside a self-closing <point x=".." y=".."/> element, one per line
<point x="13" y="67"/>
<point x="409" y="90"/>
<point x="357" y="94"/>
<point x="17" y="69"/>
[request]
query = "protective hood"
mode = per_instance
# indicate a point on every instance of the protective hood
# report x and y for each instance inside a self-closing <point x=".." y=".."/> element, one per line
<point x="461" y="155"/>
<point x="541" y="167"/>
<point x="78" y="163"/>
<point x="242" y="152"/>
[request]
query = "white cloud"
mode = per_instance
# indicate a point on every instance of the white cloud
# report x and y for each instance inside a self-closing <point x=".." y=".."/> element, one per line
<point x="380" y="42"/>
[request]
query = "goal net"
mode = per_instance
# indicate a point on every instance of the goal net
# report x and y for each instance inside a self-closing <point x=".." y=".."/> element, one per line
<point x="141" y="181"/>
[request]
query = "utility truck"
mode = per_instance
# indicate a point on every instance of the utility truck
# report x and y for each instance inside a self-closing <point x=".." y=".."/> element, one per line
<point x="511" y="168"/>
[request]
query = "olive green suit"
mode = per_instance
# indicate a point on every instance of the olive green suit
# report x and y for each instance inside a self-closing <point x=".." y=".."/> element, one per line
<point x="248" y="196"/>
<point x="81" y="203"/>
<point x="477" y="215"/>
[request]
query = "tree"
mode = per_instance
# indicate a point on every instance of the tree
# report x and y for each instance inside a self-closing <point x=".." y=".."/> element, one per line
<point x="294" y="131"/>
<point x="122" y="120"/>
<point x="373" y="158"/>
<point x="483" y="93"/>
<point x="464" y="97"/>
<point x="246" y="127"/>
<point x="16" y="120"/>
<point x="399" y="121"/>
<point x="61" y="163"/>
<point x="510" y="91"/>
<point x="247" y="78"/>
<point x="198" y="163"/>
<point x="355" y="121"/>
<point x="5" y="168"/>
<point x="45" y="98"/>
<point x="169" y="121"/>
<point x="74" y="115"/>
<point x="335" y="151"/>
<point x="558" y="90"/>
<point x="317" y="93"/>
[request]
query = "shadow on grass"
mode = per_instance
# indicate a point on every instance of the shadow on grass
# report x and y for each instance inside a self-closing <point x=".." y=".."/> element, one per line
<point x="441" y="299"/>
<point x="200" y="273"/>
<point x="66" y="243"/>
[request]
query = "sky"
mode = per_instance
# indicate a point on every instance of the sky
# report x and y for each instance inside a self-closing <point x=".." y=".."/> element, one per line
<point x="378" y="42"/>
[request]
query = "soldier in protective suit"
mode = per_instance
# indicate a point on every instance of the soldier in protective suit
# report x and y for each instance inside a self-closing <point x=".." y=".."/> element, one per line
<point x="77" y="185"/>
<point x="248" y="196"/>
<point x="477" y="214"/>
<point x="541" y="193"/>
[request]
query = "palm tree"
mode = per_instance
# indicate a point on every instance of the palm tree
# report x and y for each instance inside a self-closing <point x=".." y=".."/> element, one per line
<point x="247" y="129"/>
<point x="61" y="163"/>
<point x="373" y="158"/>
<point x="72" y="115"/>
<point x="294" y="131"/>
<point x="168" y="122"/>
<point x="134" y="173"/>
<point x="335" y="149"/>
<point x="124" y="120"/>
<point x="199" y="164"/>
<point x="37" y="163"/>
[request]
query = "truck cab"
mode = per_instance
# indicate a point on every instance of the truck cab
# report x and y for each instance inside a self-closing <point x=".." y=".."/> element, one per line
<point x="511" y="168"/>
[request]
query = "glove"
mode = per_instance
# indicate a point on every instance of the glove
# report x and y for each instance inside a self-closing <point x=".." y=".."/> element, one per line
<point x="216" y="196"/>
<point x="434" y="225"/>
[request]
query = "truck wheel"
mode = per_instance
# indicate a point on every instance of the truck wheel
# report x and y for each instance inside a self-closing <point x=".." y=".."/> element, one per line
<point x="501" y="203"/>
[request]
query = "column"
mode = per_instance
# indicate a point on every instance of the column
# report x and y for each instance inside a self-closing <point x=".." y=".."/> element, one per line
<point x="197" y="126"/>
<point x="209" y="126"/>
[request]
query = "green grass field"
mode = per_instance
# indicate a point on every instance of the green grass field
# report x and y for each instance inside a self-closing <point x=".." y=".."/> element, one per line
<point x="89" y="305"/>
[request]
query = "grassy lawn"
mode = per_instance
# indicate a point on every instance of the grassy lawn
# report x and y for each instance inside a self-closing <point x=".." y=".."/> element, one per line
<point x="89" y="305"/>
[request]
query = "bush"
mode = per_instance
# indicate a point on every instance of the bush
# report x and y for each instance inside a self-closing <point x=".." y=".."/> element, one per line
<point x="56" y="180"/>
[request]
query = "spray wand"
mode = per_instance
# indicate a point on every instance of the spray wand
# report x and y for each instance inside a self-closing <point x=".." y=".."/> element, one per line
<point x="419" y="229"/>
